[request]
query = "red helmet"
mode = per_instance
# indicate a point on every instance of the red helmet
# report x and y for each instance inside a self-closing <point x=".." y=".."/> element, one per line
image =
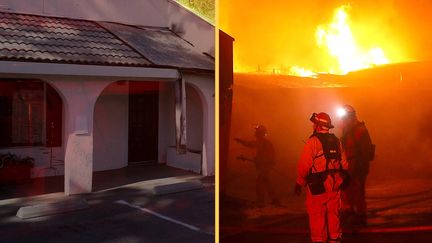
<point x="322" y="119"/>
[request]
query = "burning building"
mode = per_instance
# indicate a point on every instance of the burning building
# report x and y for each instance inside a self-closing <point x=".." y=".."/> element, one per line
<point x="311" y="57"/>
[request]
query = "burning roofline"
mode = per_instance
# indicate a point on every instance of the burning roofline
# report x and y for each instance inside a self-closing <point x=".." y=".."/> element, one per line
<point x="408" y="74"/>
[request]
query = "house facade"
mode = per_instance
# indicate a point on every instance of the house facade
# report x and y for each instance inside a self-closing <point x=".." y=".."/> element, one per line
<point x="88" y="85"/>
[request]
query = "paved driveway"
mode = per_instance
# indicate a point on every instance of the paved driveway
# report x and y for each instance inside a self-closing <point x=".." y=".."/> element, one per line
<point x="128" y="213"/>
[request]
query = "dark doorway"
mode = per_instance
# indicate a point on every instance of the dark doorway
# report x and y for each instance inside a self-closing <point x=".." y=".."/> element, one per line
<point x="143" y="122"/>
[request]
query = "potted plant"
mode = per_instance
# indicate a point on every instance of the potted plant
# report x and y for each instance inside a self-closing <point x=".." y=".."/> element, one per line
<point x="14" y="168"/>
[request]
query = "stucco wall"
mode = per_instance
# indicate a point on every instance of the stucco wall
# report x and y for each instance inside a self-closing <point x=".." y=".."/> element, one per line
<point x="81" y="92"/>
<point x="194" y="112"/>
<point x="166" y="120"/>
<point x="110" y="132"/>
<point x="203" y="88"/>
<point x="194" y="116"/>
<point x="205" y="85"/>
<point x="136" y="12"/>
<point x="107" y="118"/>
<point x="192" y="160"/>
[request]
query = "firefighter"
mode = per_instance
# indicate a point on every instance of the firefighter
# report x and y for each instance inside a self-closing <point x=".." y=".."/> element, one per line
<point x="264" y="161"/>
<point x="359" y="150"/>
<point x="322" y="168"/>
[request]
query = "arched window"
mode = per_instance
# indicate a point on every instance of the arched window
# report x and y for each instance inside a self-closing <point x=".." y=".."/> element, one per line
<point x="30" y="114"/>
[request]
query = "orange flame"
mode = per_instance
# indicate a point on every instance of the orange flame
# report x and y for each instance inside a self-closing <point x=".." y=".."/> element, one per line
<point x="339" y="41"/>
<point x="350" y="39"/>
<point x="302" y="72"/>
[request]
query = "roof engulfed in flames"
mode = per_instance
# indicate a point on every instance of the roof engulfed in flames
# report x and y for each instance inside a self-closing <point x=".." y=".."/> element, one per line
<point x="340" y="42"/>
<point x="306" y="39"/>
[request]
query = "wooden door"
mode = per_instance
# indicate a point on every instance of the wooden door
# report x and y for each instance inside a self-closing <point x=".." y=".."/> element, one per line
<point x="143" y="127"/>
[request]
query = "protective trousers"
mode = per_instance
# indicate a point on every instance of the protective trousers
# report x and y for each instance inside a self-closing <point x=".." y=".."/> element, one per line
<point x="263" y="186"/>
<point x="323" y="211"/>
<point x="353" y="197"/>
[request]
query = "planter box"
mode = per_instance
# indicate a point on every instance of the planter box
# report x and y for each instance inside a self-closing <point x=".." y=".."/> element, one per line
<point x="15" y="174"/>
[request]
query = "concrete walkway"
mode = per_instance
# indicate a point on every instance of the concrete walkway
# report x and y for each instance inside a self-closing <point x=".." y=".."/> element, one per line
<point x="101" y="180"/>
<point x="44" y="196"/>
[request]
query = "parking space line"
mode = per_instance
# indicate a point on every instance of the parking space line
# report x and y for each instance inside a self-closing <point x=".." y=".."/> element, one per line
<point x="163" y="217"/>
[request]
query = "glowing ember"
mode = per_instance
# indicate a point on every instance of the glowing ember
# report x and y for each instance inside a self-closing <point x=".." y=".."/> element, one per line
<point x="302" y="72"/>
<point x="339" y="40"/>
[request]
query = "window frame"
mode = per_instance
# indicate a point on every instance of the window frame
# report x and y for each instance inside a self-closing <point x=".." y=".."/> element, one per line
<point x="13" y="92"/>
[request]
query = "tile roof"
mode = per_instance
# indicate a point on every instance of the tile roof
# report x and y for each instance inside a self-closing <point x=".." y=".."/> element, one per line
<point x="33" y="38"/>
<point x="48" y="39"/>
<point x="161" y="46"/>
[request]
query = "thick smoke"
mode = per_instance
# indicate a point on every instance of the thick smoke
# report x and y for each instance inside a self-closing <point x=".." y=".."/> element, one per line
<point x="398" y="119"/>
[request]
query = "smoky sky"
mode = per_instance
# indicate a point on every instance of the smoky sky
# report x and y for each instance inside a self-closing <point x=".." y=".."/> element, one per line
<point x="282" y="32"/>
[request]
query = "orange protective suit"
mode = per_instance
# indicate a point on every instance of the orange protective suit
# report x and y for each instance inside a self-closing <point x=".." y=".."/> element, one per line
<point x="323" y="209"/>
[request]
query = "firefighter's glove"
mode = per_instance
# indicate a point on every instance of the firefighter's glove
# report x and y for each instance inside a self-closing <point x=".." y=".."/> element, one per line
<point x="297" y="189"/>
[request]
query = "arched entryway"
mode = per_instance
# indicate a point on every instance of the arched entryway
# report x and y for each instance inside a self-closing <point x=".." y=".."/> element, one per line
<point x="31" y="125"/>
<point x="126" y="125"/>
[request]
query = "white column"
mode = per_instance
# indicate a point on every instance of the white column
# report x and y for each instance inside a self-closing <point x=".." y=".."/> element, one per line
<point x="208" y="152"/>
<point x="79" y="98"/>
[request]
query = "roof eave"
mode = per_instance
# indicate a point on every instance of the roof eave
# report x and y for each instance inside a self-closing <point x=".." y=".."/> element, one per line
<point x="37" y="69"/>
